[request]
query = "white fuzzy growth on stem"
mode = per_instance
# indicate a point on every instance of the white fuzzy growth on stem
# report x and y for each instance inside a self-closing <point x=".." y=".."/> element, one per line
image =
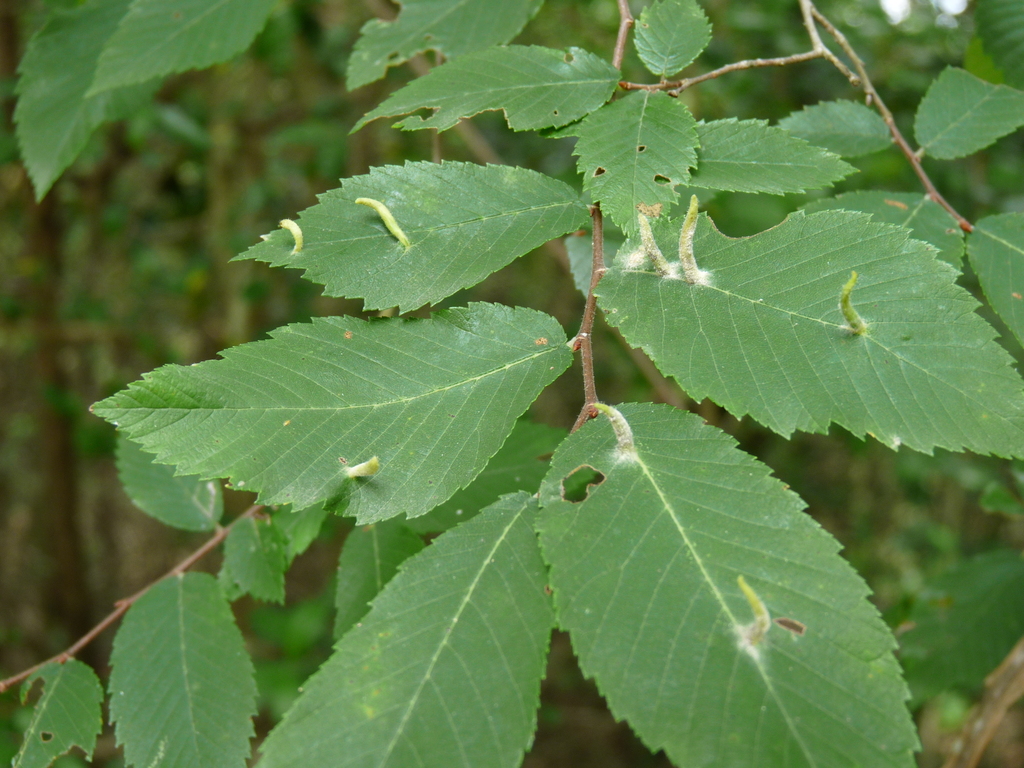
<point x="693" y="274"/>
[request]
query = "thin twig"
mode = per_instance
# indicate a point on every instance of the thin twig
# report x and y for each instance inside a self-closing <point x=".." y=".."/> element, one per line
<point x="584" y="339"/>
<point x="1003" y="687"/>
<point x="807" y="11"/>
<point x="873" y="97"/>
<point x="124" y="604"/>
<point x="675" y="87"/>
<point x="625" y="24"/>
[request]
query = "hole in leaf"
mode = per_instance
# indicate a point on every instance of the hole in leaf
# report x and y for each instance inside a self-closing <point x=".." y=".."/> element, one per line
<point x="569" y="58"/>
<point x="599" y="171"/>
<point x="45" y="736"/>
<point x="662" y="179"/>
<point x="642" y="148"/>
<point x="554" y="112"/>
<point x="577" y="484"/>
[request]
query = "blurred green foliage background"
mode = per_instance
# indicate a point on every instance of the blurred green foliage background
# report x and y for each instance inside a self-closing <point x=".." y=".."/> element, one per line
<point x="124" y="266"/>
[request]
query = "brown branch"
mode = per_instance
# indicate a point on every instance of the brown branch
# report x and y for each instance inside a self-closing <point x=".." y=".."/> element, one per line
<point x="123" y="605"/>
<point x="675" y="87"/>
<point x="625" y="24"/>
<point x="584" y="339"/>
<point x="869" y="89"/>
<point x="1003" y="687"/>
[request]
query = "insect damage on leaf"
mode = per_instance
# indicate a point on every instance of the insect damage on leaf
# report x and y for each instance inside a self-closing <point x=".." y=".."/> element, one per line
<point x="625" y="449"/>
<point x="855" y="323"/>
<point x="752" y="634"/>
<point x="368" y="468"/>
<point x="296" y="231"/>
<point x="694" y="275"/>
<point x="577" y="484"/>
<point x="386" y="217"/>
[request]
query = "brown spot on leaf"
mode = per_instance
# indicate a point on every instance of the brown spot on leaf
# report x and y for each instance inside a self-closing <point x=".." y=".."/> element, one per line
<point x="791" y="625"/>
<point x="896" y="204"/>
<point x="1016" y="295"/>
<point x="348" y="334"/>
<point x="542" y="341"/>
<point x="654" y="211"/>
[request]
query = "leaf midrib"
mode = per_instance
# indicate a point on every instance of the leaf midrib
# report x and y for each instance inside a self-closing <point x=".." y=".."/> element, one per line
<point x="666" y="504"/>
<point x="868" y="337"/>
<point x="553" y="348"/>
<point x="487" y="561"/>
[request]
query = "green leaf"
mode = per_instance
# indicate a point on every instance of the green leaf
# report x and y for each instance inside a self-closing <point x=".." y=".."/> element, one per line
<point x="581" y="257"/>
<point x="751" y="156"/>
<point x="287" y="417"/>
<point x="635" y="151"/>
<point x="996" y="251"/>
<point x="766" y="336"/>
<point x="67" y="714"/>
<point x="182" y="693"/>
<point x="300" y="527"/>
<point x="54" y="116"/>
<point x="183" y="501"/>
<point x="450" y="27"/>
<point x="464" y="221"/>
<point x="961" y="114"/>
<point x="1000" y="25"/>
<point x="369" y="560"/>
<point x="963" y="624"/>
<point x="256" y="557"/>
<point x="160" y="37"/>
<point x="979" y="63"/>
<point x="445" y="669"/>
<point x="645" y="576"/>
<point x="670" y="34"/>
<point x="996" y="497"/>
<point x="843" y="127"/>
<point x="518" y="466"/>
<point x="926" y="219"/>
<point x="536" y="87"/>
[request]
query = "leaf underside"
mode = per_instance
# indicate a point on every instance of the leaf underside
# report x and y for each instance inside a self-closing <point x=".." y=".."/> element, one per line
<point x="445" y="669"/>
<point x="518" y="466"/>
<point x="926" y="219"/>
<point x="450" y="27"/>
<point x="996" y="250"/>
<point x="766" y="337"/>
<point x="961" y="114"/>
<point x="536" y="87"/>
<point x="846" y="128"/>
<point x="182" y="692"/>
<point x="67" y="714"/>
<point x="158" y="38"/>
<point x="752" y="156"/>
<point x="256" y="557"/>
<point x="635" y="151"/>
<point x="645" y="578"/>
<point x="464" y="221"/>
<point x="432" y="399"/>
<point x="183" y="501"/>
<point x="369" y="560"/>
